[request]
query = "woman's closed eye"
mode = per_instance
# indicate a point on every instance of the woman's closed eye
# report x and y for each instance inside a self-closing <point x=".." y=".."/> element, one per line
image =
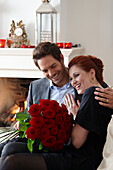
<point x="76" y="75"/>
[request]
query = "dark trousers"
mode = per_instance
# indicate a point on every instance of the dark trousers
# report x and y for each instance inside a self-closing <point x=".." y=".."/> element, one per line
<point x="13" y="146"/>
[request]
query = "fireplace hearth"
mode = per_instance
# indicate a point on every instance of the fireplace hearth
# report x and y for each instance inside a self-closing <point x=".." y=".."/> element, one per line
<point x="13" y="93"/>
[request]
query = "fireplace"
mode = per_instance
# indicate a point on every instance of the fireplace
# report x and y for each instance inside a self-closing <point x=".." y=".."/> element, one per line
<point x="17" y="70"/>
<point x="13" y="93"/>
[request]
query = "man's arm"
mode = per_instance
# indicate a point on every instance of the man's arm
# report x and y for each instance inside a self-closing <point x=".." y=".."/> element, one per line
<point x="105" y="96"/>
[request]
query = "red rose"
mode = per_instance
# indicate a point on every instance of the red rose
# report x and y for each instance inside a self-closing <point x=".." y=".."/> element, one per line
<point x="45" y="132"/>
<point x="49" y="113"/>
<point x="63" y="126"/>
<point x="54" y="130"/>
<point x="61" y="110"/>
<point x="49" y="141"/>
<point x="53" y="123"/>
<point x="58" y="145"/>
<point x="69" y="126"/>
<point x="35" y="110"/>
<point x="55" y="105"/>
<point x="33" y="133"/>
<point x="49" y="123"/>
<point x="37" y="121"/>
<point x="61" y="134"/>
<point x="63" y="107"/>
<point x="68" y="134"/>
<point x="67" y="118"/>
<point x="58" y="119"/>
<point x="44" y="103"/>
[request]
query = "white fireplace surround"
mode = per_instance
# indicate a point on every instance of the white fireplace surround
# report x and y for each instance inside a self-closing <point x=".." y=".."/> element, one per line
<point x="18" y="62"/>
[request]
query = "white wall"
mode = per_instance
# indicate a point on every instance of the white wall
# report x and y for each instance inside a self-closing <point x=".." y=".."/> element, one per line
<point x="22" y="10"/>
<point x="89" y="22"/>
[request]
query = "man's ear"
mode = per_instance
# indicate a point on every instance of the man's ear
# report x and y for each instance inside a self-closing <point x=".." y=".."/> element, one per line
<point x="62" y="58"/>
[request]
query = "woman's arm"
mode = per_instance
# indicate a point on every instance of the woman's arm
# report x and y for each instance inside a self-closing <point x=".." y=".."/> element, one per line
<point x="79" y="136"/>
<point x="105" y="96"/>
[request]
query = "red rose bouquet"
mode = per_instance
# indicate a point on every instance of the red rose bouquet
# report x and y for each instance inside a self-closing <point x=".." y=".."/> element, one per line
<point x="47" y="124"/>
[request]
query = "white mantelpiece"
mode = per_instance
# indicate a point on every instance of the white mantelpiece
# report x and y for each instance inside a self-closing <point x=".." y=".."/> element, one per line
<point x="18" y="62"/>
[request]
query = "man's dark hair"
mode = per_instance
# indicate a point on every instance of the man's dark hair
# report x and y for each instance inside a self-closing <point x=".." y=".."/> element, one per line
<point x="46" y="48"/>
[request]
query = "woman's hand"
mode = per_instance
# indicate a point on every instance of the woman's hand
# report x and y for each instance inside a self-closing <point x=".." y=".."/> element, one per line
<point x="71" y="105"/>
<point x="105" y="96"/>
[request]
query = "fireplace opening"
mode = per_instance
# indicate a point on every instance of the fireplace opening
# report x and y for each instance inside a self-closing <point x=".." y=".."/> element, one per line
<point x="13" y="94"/>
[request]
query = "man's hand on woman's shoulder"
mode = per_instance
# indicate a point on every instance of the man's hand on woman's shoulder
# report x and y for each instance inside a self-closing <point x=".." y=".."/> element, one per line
<point x="105" y="96"/>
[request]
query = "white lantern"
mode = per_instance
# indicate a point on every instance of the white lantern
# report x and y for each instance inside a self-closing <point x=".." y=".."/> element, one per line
<point x="46" y="23"/>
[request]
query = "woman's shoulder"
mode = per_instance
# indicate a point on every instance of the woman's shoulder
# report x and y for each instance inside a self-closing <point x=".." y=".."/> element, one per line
<point x="88" y="95"/>
<point x="89" y="91"/>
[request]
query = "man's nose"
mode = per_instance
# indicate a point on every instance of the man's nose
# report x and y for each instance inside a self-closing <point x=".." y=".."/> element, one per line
<point x="50" y="72"/>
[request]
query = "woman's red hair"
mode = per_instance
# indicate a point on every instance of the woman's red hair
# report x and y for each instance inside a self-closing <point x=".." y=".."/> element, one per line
<point x="87" y="63"/>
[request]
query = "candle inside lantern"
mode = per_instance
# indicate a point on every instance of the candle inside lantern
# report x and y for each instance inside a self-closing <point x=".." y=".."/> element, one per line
<point x="68" y="45"/>
<point x="2" y="43"/>
<point x="60" y="45"/>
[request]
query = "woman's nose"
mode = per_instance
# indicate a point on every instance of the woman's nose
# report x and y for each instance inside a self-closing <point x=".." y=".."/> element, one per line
<point x="74" y="81"/>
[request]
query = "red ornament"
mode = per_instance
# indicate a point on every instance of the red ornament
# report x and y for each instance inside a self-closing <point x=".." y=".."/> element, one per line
<point x="60" y="45"/>
<point x="2" y="43"/>
<point x="31" y="46"/>
<point x="68" y="45"/>
<point x="23" y="46"/>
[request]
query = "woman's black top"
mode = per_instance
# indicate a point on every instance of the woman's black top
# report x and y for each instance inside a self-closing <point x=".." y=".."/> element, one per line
<point x="95" y="119"/>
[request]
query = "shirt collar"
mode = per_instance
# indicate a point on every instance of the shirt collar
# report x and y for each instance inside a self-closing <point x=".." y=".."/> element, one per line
<point x="52" y="86"/>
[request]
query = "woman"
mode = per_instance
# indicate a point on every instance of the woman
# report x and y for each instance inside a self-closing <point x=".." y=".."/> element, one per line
<point x="89" y="130"/>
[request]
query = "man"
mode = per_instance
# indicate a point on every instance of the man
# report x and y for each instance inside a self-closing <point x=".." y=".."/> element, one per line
<point x="55" y="85"/>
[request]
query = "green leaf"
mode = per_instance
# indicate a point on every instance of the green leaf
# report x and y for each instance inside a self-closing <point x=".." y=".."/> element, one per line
<point x="21" y="134"/>
<point x="30" y="145"/>
<point x="27" y="120"/>
<point x="41" y="113"/>
<point x="40" y="146"/>
<point x="46" y="150"/>
<point x="21" y="116"/>
<point x="22" y="127"/>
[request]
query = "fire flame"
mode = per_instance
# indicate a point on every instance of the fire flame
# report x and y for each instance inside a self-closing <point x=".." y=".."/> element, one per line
<point x="16" y="110"/>
<point x="13" y="119"/>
